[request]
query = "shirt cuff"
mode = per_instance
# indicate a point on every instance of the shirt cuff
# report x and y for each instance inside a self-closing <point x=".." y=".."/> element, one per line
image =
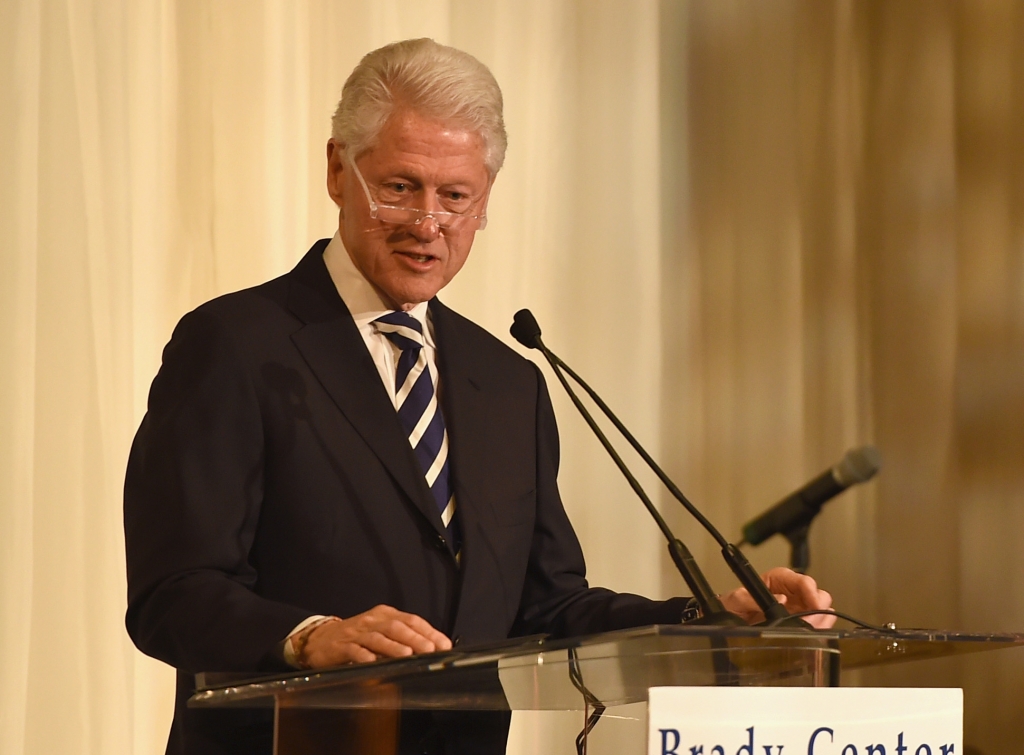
<point x="288" y="650"/>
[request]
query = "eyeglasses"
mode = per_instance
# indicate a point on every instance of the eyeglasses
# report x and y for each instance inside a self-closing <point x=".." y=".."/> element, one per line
<point x="399" y="215"/>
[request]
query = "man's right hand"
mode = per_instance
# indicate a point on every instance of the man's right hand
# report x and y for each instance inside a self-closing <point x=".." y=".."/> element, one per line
<point x="381" y="632"/>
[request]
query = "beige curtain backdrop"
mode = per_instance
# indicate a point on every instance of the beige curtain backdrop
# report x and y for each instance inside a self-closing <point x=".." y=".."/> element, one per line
<point x="850" y="269"/>
<point x="766" y="231"/>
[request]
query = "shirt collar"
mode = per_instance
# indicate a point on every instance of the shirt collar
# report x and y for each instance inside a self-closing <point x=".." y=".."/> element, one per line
<point x="361" y="298"/>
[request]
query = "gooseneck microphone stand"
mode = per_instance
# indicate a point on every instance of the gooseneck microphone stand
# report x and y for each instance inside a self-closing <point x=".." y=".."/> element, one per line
<point x="526" y="330"/>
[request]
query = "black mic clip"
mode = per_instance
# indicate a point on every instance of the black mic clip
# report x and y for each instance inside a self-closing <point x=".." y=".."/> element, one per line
<point x="799" y="550"/>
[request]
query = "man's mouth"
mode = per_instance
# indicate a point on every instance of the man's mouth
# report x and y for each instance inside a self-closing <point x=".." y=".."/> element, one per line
<point x="421" y="259"/>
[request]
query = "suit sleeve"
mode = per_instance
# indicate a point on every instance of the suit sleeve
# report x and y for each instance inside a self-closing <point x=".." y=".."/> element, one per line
<point x="556" y="597"/>
<point x="192" y="499"/>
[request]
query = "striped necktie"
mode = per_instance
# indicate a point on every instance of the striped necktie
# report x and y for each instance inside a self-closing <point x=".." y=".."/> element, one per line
<point x="419" y="412"/>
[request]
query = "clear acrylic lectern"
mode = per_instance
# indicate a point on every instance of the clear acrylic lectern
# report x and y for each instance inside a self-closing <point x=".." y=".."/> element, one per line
<point x="356" y="708"/>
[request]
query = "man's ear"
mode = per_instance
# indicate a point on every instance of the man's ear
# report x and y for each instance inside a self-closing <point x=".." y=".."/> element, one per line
<point x="336" y="171"/>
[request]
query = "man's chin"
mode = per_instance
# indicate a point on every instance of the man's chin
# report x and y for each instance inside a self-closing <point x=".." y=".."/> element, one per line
<point x="408" y="297"/>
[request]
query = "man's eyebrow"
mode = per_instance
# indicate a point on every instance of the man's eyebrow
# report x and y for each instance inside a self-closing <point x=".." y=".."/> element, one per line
<point x="399" y="175"/>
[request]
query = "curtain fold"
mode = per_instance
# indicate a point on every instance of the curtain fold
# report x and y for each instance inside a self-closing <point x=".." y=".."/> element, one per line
<point x="19" y="208"/>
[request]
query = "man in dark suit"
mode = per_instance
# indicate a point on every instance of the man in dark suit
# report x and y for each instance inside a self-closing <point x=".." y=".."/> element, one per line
<point x="334" y="466"/>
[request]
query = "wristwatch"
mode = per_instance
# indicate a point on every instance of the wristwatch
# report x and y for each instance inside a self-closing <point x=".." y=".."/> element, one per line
<point x="691" y="612"/>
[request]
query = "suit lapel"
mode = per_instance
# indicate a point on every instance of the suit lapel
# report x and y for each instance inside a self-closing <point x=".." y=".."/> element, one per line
<point x="464" y="402"/>
<point x="331" y="345"/>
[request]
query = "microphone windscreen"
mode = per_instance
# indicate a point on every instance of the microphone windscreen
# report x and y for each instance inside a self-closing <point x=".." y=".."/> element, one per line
<point x="525" y="329"/>
<point x="859" y="465"/>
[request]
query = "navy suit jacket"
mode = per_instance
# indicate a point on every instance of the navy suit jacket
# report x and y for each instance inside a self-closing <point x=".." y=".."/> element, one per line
<point x="271" y="480"/>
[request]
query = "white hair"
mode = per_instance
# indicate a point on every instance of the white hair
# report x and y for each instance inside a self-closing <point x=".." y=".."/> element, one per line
<point x="432" y="79"/>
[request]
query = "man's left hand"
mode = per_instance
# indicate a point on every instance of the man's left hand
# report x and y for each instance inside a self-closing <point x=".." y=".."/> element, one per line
<point x="797" y="592"/>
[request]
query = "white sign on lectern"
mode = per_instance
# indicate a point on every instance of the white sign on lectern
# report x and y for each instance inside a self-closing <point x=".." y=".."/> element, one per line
<point x="804" y="721"/>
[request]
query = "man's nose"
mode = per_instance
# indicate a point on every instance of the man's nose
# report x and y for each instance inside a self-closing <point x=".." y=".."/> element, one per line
<point x="426" y="229"/>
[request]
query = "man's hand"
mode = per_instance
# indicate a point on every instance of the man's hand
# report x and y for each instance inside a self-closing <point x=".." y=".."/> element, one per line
<point x="381" y="632"/>
<point x="797" y="592"/>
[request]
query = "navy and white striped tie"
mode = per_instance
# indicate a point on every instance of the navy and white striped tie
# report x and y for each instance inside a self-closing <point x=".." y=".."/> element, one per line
<point x="419" y="411"/>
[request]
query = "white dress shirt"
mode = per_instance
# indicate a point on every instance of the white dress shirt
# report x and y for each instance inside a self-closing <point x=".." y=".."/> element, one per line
<point x="366" y="305"/>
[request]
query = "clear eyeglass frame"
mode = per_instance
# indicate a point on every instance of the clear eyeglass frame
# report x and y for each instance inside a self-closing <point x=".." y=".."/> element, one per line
<point x="396" y="215"/>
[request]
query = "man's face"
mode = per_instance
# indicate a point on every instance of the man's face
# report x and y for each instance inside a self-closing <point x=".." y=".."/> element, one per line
<point x="432" y="164"/>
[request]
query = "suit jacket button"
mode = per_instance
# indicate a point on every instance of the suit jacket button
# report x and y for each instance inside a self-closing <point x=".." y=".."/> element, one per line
<point x="456" y="641"/>
<point x="440" y="544"/>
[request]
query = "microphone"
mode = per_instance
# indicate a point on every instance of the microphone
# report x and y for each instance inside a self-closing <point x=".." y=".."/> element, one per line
<point x="796" y="510"/>
<point x="526" y="330"/>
